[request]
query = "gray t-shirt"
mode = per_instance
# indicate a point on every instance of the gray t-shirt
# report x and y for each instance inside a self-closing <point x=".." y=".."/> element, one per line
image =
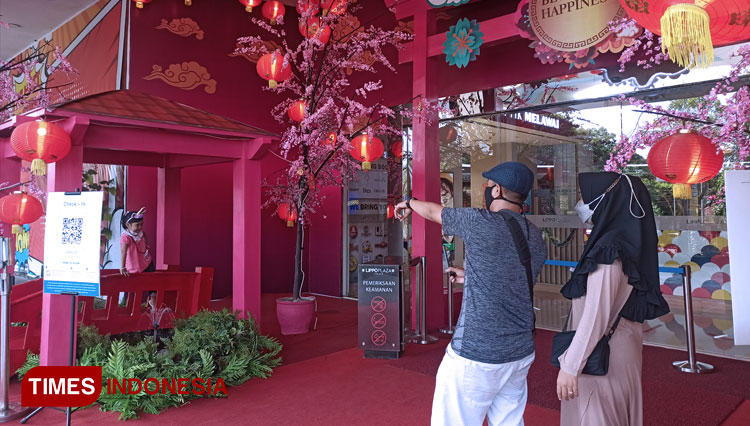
<point x="497" y="319"/>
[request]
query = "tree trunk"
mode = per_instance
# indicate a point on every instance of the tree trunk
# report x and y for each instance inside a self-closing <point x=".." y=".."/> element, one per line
<point x="296" y="296"/>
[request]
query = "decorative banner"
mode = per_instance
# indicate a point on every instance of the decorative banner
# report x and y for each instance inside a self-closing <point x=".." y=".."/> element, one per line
<point x="462" y="43"/>
<point x="573" y="25"/>
<point x="574" y="32"/>
<point x="738" y="204"/>
<point x="444" y="3"/>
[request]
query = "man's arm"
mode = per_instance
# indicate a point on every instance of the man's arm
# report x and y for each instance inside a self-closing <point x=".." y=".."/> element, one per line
<point x="429" y="211"/>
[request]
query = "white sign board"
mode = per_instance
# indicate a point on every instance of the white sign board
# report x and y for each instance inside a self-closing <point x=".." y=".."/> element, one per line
<point x="738" y="228"/>
<point x="72" y="239"/>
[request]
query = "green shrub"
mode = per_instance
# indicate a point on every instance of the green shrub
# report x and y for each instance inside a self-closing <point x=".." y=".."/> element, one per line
<point x="207" y="345"/>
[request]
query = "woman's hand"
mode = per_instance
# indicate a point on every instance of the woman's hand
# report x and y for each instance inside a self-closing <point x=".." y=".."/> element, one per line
<point x="124" y="272"/>
<point x="402" y="211"/>
<point x="457" y="274"/>
<point x="567" y="386"/>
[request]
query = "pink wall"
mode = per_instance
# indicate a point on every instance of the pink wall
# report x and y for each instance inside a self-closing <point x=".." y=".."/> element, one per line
<point x="207" y="223"/>
<point x="141" y="187"/>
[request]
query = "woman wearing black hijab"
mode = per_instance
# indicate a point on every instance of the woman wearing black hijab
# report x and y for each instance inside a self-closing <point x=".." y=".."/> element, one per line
<point x="617" y="277"/>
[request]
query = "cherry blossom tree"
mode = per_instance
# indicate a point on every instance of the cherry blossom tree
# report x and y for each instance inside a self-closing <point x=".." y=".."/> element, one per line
<point x="24" y="80"/>
<point x="339" y="104"/>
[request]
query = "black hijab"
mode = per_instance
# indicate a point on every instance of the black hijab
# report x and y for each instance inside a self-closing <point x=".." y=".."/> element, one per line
<point x="617" y="234"/>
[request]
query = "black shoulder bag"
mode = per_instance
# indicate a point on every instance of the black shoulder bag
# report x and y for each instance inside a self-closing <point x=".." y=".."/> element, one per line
<point x="597" y="363"/>
<point x="522" y="247"/>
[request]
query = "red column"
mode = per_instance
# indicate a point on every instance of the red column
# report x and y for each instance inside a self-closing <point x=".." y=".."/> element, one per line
<point x="426" y="236"/>
<point x="169" y="193"/>
<point x="62" y="176"/>
<point x="246" y="238"/>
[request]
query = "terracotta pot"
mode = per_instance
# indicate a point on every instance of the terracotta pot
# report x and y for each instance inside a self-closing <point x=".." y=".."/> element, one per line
<point x="295" y="317"/>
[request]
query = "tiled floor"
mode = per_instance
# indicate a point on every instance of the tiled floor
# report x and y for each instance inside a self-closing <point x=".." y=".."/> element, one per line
<point x="712" y="323"/>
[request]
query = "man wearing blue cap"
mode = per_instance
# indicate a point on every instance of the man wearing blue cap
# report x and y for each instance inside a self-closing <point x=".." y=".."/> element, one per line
<point x="483" y="373"/>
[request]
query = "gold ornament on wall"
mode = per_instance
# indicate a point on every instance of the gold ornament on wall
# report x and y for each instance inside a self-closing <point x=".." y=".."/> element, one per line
<point x="185" y="76"/>
<point x="184" y="27"/>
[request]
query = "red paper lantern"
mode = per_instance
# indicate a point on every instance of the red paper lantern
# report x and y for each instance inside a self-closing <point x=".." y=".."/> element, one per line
<point x="330" y="140"/>
<point x="690" y="29"/>
<point x="305" y="5"/>
<point x="448" y="134"/>
<point x="273" y="10"/>
<point x="391" y="211"/>
<point x="271" y="67"/>
<point x="366" y="148"/>
<point x="40" y="142"/>
<point x="288" y="213"/>
<point x="398" y="149"/>
<point x="250" y="4"/>
<point x="337" y="7"/>
<point x="20" y="208"/>
<point x="139" y="3"/>
<point x="684" y="159"/>
<point x="313" y="29"/>
<point x="297" y="110"/>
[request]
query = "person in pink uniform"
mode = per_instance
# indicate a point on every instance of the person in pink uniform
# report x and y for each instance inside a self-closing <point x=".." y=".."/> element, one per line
<point x="615" y="286"/>
<point x="134" y="245"/>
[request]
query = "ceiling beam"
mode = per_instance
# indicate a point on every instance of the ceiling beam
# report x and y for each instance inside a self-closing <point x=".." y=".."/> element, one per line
<point x="494" y="30"/>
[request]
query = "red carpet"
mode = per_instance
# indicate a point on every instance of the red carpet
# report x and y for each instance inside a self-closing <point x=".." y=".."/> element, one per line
<point x="325" y="381"/>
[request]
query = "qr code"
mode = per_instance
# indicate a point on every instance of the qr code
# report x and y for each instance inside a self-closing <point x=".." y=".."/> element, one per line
<point x="72" y="230"/>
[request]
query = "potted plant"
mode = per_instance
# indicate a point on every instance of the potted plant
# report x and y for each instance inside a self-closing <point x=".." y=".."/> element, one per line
<point x="325" y="112"/>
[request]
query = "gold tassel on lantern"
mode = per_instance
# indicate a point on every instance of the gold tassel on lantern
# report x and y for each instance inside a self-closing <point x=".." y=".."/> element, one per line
<point x="686" y="35"/>
<point x="17" y="230"/>
<point x="38" y="167"/>
<point x="290" y="224"/>
<point x="139" y="4"/>
<point x="682" y="191"/>
<point x="188" y="2"/>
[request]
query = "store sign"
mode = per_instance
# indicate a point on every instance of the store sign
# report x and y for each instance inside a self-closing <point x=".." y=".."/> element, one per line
<point x="571" y="25"/>
<point x="541" y="120"/>
<point x="444" y="3"/>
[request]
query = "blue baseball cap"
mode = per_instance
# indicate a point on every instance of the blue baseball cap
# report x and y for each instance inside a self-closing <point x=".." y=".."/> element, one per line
<point x="512" y="175"/>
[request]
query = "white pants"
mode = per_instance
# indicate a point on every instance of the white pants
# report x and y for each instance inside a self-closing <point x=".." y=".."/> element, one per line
<point x="468" y="391"/>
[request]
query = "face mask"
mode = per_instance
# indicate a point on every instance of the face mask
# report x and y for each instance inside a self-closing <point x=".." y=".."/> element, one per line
<point x="488" y="198"/>
<point x="584" y="210"/>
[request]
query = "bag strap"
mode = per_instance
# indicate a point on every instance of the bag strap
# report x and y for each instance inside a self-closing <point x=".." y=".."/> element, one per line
<point x="609" y="333"/>
<point x="522" y="247"/>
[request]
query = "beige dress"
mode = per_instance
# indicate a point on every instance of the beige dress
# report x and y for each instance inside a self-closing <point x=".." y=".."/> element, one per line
<point x="615" y="399"/>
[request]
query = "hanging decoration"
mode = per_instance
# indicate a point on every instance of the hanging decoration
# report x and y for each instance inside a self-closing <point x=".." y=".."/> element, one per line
<point x="685" y="159"/>
<point x="297" y="110"/>
<point x="188" y="2"/>
<point x="305" y="5"/>
<point x="398" y="149"/>
<point x="690" y="30"/>
<point x="40" y="142"/>
<point x="391" y="211"/>
<point x="337" y="7"/>
<point x="462" y="43"/>
<point x="312" y="28"/>
<point x="366" y="148"/>
<point x="288" y="213"/>
<point x="554" y="40"/>
<point x="250" y="4"/>
<point x="273" y="10"/>
<point x="20" y="208"/>
<point x="444" y="3"/>
<point x="271" y="67"/>
<point x="448" y="134"/>
<point x="139" y="3"/>
<point x="330" y="140"/>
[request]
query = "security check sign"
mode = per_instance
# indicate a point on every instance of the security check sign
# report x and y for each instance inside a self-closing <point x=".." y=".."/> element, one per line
<point x="72" y="240"/>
